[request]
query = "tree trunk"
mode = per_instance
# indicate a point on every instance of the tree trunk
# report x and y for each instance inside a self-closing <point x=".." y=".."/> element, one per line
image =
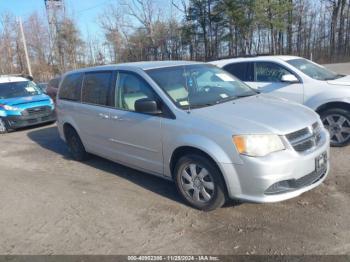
<point x="334" y="21"/>
<point x="290" y="29"/>
<point x="341" y="29"/>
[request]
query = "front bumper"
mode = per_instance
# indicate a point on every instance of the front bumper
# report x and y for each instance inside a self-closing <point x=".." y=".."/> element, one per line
<point x="277" y="177"/>
<point x="15" y="122"/>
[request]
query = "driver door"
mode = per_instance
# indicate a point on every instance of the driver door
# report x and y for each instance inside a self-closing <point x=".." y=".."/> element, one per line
<point x="267" y="79"/>
<point x="134" y="138"/>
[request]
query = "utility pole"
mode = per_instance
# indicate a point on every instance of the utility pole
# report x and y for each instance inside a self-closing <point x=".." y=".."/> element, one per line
<point x="25" y="47"/>
<point x="55" y="10"/>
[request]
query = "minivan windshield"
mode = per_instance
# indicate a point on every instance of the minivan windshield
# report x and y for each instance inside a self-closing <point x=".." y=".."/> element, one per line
<point x="195" y="86"/>
<point x="313" y="70"/>
<point x="18" y="89"/>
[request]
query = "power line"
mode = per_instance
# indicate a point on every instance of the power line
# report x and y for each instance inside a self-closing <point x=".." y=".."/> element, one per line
<point x="93" y="7"/>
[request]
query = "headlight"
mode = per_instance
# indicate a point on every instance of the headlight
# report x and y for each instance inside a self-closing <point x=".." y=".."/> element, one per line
<point x="258" y="145"/>
<point x="51" y="102"/>
<point x="10" y="108"/>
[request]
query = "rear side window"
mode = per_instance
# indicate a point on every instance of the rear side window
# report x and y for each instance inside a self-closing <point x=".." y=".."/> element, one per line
<point x="71" y="87"/>
<point x="97" y="87"/>
<point x="243" y="71"/>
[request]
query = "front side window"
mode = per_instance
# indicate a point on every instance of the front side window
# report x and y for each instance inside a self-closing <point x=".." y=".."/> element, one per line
<point x="130" y="89"/>
<point x="269" y="72"/>
<point x="18" y="89"/>
<point x="96" y="88"/>
<point x="313" y="70"/>
<point x="199" y="85"/>
<point x="243" y="71"/>
<point x="71" y="87"/>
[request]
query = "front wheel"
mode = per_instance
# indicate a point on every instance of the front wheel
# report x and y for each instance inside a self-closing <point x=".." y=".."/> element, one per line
<point x="3" y="128"/>
<point x="200" y="182"/>
<point x="337" y="122"/>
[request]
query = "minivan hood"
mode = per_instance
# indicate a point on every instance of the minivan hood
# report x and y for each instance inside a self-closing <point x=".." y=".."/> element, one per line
<point x="343" y="81"/>
<point x="260" y="114"/>
<point x="24" y="100"/>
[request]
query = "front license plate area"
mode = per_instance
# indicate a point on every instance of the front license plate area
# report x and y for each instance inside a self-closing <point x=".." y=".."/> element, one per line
<point x="321" y="163"/>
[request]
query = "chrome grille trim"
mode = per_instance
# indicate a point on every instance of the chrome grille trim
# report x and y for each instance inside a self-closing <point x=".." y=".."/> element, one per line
<point x="305" y="139"/>
<point x="37" y="110"/>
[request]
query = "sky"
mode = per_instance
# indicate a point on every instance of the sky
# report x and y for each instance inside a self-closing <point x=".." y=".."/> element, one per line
<point x="84" y="12"/>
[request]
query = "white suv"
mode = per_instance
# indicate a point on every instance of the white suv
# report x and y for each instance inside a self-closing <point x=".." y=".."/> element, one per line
<point x="303" y="81"/>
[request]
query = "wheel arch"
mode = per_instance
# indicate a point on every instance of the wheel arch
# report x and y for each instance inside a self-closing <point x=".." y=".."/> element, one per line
<point x="66" y="125"/>
<point x="185" y="150"/>
<point x="332" y="105"/>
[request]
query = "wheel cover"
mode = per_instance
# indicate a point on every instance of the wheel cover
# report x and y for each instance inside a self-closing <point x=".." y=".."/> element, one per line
<point x="197" y="183"/>
<point x="338" y="127"/>
<point x="2" y="126"/>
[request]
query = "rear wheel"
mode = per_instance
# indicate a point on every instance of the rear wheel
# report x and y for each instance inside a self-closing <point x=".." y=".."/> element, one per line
<point x="75" y="146"/>
<point x="200" y="182"/>
<point x="337" y="122"/>
<point x="3" y="128"/>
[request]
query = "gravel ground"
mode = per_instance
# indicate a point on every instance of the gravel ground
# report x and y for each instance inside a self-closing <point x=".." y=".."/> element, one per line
<point x="50" y="204"/>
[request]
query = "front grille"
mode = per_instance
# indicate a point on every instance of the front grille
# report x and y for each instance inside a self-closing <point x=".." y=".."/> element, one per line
<point x="306" y="138"/>
<point x="15" y="122"/>
<point x="38" y="110"/>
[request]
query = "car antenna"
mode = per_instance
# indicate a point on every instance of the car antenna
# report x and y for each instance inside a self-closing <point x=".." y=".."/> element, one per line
<point x="188" y="91"/>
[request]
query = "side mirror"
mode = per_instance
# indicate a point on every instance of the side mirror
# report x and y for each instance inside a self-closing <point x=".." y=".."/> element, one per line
<point x="289" y="78"/>
<point x="147" y="106"/>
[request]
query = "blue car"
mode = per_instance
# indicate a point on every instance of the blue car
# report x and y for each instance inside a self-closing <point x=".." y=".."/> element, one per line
<point x="23" y="104"/>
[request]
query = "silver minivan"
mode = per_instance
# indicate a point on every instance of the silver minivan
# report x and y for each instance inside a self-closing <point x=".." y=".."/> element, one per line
<point x="197" y="125"/>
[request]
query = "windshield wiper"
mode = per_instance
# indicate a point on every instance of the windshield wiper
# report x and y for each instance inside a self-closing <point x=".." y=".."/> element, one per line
<point x="223" y="100"/>
<point x="335" y="77"/>
<point x="227" y="99"/>
<point x="340" y="76"/>
<point x="246" y="95"/>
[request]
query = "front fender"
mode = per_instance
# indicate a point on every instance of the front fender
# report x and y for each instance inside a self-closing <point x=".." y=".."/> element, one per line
<point x="324" y="98"/>
<point x="219" y="154"/>
<point x="225" y="158"/>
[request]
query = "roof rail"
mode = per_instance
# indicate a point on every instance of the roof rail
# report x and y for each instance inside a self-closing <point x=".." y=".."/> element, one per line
<point x="29" y="77"/>
<point x="243" y="56"/>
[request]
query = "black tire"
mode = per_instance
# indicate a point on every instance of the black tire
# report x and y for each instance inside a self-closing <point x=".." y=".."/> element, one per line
<point x="3" y="127"/>
<point x="75" y="146"/>
<point x="335" y="129"/>
<point x="214" y="178"/>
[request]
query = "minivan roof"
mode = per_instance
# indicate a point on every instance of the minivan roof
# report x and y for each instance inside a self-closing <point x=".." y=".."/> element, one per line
<point x="144" y="65"/>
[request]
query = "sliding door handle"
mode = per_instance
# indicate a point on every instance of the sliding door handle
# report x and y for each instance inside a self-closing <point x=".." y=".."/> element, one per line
<point x="118" y="118"/>
<point x="115" y="118"/>
<point x="103" y="116"/>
